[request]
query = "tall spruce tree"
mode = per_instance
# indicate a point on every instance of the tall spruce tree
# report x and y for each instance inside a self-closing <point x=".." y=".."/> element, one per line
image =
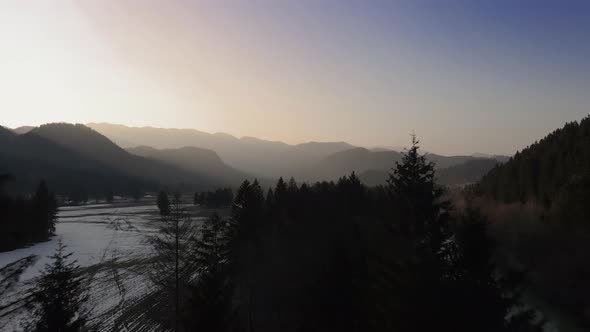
<point x="444" y="279"/>
<point x="422" y="221"/>
<point x="173" y="267"/>
<point x="422" y="213"/>
<point x="244" y="247"/>
<point x="59" y="298"/>
<point x="210" y="303"/>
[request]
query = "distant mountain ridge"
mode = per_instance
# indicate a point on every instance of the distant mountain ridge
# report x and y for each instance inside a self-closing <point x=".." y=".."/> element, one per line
<point x="91" y="143"/>
<point x="309" y="162"/>
<point x="373" y="168"/>
<point x="252" y="155"/>
<point x="468" y="172"/>
<point x="23" y="129"/>
<point x="196" y="160"/>
<point x="73" y="155"/>
<point x="30" y="158"/>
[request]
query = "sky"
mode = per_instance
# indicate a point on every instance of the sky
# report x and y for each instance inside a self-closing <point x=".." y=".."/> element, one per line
<point x="488" y="76"/>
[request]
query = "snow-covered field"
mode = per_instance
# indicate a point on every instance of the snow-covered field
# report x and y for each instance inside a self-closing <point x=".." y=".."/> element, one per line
<point x="91" y="233"/>
<point x="109" y="242"/>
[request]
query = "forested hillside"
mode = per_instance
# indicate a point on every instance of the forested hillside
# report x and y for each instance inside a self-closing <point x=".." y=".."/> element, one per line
<point x="77" y="161"/>
<point x="539" y="202"/>
<point x="24" y="221"/>
<point x="196" y="160"/>
<point x="91" y="144"/>
<point x="29" y="158"/>
<point x="553" y="171"/>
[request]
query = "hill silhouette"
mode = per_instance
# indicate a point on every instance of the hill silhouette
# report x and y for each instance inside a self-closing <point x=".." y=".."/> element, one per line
<point x="545" y="170"/>
<point x="312" y="161"/>
<point x="23" y="129"/>
<point x="538" y="202"/>
<point x="373" y="167"/>
<point x="261" y="158"/>
<point x="92" y="144"/>
<point x="77" y="158"/>
<point x="468" y="172"/>
<point x="196" y="160"/>
<point x="30" y="158"/>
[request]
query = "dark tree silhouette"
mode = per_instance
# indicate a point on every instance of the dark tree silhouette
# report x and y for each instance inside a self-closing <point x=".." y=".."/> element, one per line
<point x="174" y="266"/>
<point x="23" y="221"/>
<point x="59" y="299"/>
<point x="244" y="227"/>
<point x="44" y="211"/>
<point x="210" y="308"/>
<point x="423" y="216"/>
<point x="163" y="203"/>
<point x="411" y="284"/>
<point x="439" y="274"/>
<point x="215" y="199"/>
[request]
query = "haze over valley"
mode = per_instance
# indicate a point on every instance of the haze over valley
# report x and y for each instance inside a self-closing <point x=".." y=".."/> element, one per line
<point x="205" y="161"/>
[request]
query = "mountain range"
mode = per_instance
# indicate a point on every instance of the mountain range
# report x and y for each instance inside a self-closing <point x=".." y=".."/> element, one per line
<point x="30" y="157"/>
<point x="77" y="158"/>
<point x="309" y="162"/>
<point x="249" y="154"/>
<point x="103" y="157"/>
<point x="196" y="160"/>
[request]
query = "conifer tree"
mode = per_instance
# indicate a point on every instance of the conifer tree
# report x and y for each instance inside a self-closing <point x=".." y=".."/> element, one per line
<point x="270" y="198"/>
<point x="445" y="280"/>
<point x="280" y="194"/>
<point x="44" y="211"/>
<point x="210" y="304"/>
<point x="173" y="267"/>
<point x="163" y="203"/>
<point x="421" y="211"/>
<point x="59" y="299"/>
<point x="244" y="245"/>
<point x="423" y="223"/>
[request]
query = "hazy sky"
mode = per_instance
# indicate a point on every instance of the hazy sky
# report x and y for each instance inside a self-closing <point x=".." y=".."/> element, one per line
<point x="468" y="76"/>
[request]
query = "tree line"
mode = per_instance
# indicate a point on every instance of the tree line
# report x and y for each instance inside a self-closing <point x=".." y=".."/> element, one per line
<point x="221" y="197"/>
<point x="340" y="257"/>
<point x="26" y="220"/>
